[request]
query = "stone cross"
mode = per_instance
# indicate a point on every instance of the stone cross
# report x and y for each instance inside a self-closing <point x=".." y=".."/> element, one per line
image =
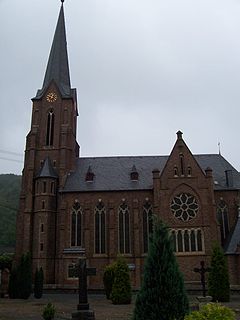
<point x="202" y="270"/>
<point x="81" y="271"/>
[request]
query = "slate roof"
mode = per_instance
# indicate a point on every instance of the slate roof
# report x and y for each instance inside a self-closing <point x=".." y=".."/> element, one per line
<point x="234" y="239"/>
<point x="58" y="67"/>
<point x="47" y="170"/>
<point x="113" y="173"/>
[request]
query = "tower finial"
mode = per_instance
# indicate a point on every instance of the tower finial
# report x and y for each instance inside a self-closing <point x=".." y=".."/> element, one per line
<point x="62" y="1"/>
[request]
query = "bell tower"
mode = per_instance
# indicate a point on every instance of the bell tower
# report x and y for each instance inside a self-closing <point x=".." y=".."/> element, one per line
<point x="50" y="154"/>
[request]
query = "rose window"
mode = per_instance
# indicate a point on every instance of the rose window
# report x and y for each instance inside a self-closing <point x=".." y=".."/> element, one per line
<point x="184" y="207"/>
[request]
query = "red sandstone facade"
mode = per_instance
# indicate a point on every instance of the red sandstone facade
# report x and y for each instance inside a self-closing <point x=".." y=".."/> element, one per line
<point x="105" y="204"/>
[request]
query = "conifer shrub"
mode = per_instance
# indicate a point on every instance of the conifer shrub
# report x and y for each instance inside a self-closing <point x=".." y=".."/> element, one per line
<point x="162" y="295"/>
<point x="38" y="283"/>
<point x="49" y="311"/>
<point x="25" y="276"/>
<point x="108" y="279"/>
<point x="121" y="289"/>
<point x="13" y="286"/>
<point x="20" y="282"/>
<point x="218" y="279"/>
<point x="212" y="311"/>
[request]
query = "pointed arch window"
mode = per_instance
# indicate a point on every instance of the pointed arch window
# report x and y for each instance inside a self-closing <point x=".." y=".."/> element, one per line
<point x="50" y="128"/>
<point x="100" y="228"/>
<point x="147" y="224"/>
<point x="222" y="215"/>
<point x="77" y="225"/>
<point x="124" y="228"/>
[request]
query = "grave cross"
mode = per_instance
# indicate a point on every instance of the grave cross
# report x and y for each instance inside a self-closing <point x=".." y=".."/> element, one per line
<point x="202" y="270"/>
<point x="81" y="271"/>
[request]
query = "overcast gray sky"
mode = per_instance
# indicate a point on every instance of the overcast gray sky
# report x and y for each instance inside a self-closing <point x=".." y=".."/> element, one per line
<point x="143" y="70"/>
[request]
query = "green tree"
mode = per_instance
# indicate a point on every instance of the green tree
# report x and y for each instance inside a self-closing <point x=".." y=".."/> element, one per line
<point x="218" y="279"/>
<point x="121" y="289"/>
<point x="25" y="276"/>
<point x="13" y="287"/>
<point x="162" y="294"/>
<point x="108" y="279"/>
<point x="38" y="283"/>
<point x="6" y="261"/>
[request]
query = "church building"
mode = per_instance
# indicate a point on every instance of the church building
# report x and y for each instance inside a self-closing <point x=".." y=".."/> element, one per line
<point x="106" y="204"/>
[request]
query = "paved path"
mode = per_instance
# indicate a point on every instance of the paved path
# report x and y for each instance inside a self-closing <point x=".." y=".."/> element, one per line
<point x="31" y="309"/>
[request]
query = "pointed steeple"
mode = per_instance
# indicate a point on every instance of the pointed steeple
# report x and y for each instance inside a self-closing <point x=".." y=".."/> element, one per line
<point x="58" y="67"/>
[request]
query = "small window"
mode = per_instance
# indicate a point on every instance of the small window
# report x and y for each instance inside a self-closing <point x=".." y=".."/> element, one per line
<point x="189" y="171"/>
<point x="37" y="187"/>
<point x="44" y="186"/>
<point x="175" y="171"/>
<point x="182" y="164"/>
<point x="134" y="174"/>
<point x="89" y="175"/>
<point x="41" y="246"/>
<point x="50" y="128"/>
<point x="42" y="227"/>
<point x="180" y="241"/>
<point x="193" y="240"/>
<point x="43" y="204"/>
<point x="52" y="187"/>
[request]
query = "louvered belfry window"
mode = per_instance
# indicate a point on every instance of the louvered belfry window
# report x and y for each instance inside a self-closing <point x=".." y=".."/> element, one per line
<point x="50" y="128"/>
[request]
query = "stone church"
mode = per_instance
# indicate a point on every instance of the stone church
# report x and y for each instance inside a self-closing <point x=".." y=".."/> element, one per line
<point x="105" y="204"/>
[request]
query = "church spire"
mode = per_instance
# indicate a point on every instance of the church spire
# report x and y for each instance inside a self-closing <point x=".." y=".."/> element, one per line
<point x="57" y="67"/>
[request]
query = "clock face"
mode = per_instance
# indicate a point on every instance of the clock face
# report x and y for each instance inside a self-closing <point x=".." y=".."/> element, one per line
<point x="51" y="97"/>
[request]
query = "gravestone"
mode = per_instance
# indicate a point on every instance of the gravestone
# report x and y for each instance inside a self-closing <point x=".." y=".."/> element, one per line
<point x="81" y="271"/>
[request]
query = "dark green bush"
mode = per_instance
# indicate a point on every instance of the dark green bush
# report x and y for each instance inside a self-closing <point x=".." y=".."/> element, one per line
<point x="108" y="279"/>
<point x="121" y="289"/>
<point x="212" y="311"/>
<point x="38" y="283"/>
<point x="25" y="276"/>
<point x="49" y="311"/>
<point x="218" y="280"/>
<point x="20" y="282"/>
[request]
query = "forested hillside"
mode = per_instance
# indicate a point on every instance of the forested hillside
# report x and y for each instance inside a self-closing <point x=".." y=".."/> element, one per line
<point x="9" y="199"/>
